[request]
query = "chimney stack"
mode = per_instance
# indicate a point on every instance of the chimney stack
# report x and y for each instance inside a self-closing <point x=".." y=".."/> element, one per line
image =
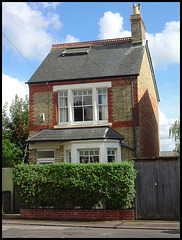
<point x="137" y="26"/>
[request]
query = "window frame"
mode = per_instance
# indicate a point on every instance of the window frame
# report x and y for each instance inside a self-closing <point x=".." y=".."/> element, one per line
<point x="85" y="86"/>
<point x="68" y="156"/>
<point x="82" y="105"/>
<point x="102" y="105"/>
<point x="111" y="155"/>
<point x="89" y="154"/>
<point x="45" y="160"/>
<point x="63" y="107"/>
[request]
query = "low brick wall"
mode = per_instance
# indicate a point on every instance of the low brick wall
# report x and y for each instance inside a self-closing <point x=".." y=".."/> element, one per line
<point x="89" y="215"/>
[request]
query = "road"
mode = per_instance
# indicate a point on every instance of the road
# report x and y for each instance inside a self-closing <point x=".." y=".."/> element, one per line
<point x="35" y="231"/>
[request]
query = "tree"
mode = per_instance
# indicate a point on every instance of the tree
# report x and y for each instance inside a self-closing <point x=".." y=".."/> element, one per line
<point x="15" y="131"/>
<point x="174" y="132"/>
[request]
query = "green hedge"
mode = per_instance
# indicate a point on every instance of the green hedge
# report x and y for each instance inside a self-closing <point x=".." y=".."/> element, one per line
<point x="70" y="186"/>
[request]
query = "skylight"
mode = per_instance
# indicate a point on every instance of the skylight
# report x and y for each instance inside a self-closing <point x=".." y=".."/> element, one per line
<point x="75" y="51"/>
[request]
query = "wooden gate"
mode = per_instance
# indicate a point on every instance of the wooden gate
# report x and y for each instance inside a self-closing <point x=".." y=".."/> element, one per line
<point x="157" y="188"/>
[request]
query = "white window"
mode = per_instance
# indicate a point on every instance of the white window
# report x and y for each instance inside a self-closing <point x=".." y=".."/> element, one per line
<point x="82" y="106"/>
<point x="45" y="156"/>
<point x="102" y="104"/>
<point x="89" y="156"/>
<point x="68" y="156"/>
<point x="111" y="155"/>
<point x="63" y="107"/>
<point x="83" y="103"/>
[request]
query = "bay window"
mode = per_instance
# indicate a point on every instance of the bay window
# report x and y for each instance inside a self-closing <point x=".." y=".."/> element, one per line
<point x="82" y="103"/>
<point x="89" y="156"/>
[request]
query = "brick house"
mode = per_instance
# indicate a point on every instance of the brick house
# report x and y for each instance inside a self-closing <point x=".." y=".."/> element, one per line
<point x="95" y="101"/>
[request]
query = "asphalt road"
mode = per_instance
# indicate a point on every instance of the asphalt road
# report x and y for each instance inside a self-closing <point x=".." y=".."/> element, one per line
<point x="35" y="231"/>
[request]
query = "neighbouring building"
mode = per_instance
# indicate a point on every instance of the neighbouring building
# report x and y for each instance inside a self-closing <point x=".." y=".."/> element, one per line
<point x="95" y="101"/>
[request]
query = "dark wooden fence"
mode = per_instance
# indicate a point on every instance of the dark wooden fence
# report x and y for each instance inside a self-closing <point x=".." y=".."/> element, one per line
<point x="157" y="188"/>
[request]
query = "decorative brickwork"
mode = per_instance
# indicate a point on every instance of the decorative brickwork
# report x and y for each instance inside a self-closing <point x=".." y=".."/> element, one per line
<point x="43" y="104"/>
<point x="78" y="215"/>
<point x="59" y="154"/>
<point x="89" y="43"/>
<point x="32" y="156"/>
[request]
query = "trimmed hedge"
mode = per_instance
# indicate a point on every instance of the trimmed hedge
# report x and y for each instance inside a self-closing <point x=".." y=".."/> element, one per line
<point x="74" y="186"/>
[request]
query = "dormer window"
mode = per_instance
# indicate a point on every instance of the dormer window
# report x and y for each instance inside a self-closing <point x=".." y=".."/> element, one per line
<point x="75" y="51"/>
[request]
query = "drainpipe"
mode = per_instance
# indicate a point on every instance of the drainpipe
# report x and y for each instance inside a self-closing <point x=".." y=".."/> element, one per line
<point x="133" y="118"/>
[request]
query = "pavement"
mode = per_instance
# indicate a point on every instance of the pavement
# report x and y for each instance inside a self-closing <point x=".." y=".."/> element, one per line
<point x="119" y="224"/>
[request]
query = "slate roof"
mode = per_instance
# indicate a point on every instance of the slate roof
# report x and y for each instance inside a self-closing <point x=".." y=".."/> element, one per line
<point x="73" y="134"/>
<point x="108" y="59"/>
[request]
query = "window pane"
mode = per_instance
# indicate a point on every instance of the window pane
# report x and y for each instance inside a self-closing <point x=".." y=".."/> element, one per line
<point x="102" y="99"/>
<point x="63" y="115"/>
<point x="111" y="159"/>
<point x="102" y="113"/>
<point x="84" y="160"/>
<point x="45" y="162"/>
<point x="77" y="101"/>
<point x="96" y="152"/>
<point x="87" y="100"/>
<point x="88" y="113"/>
<point x="45" y="154"/>
<point x="91" y="156"/>
<point x="78" y="114"/>
<point x="111" y="155"/>
<point x="96" y="159"/>
<point x="63" y="102"/>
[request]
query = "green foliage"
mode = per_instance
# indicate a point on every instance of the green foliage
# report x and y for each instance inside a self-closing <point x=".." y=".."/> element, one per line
<point x="82" y="186"/>
<point x="14" y="132"/>
<point x="174" y="132"/>
<point x="10" y="153"/>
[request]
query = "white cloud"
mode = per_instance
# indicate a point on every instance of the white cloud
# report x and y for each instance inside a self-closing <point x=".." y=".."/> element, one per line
<point x="111" y="26"/>
<point x="166" y="143"/>
<point x="11" y="87"/>
<point x="28" y="29"/>
<point x="165" y="46"/>
<point x="69" y="38"/>
<point x="49" y="4"/>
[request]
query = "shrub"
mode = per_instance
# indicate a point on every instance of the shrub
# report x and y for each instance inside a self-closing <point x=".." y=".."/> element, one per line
<point x="70" y="186"/>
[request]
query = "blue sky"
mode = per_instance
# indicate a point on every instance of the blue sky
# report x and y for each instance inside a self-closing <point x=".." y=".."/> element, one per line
<point x="32" y="27"/>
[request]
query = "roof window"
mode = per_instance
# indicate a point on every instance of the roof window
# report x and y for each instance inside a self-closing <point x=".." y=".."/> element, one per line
<point x="75" y="51"/>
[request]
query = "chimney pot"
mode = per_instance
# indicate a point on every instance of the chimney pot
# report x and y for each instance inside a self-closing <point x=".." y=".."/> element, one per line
<point x="136" y="9"/>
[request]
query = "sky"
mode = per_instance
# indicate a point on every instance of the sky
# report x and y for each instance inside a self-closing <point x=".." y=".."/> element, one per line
<point x="30" y="28"/>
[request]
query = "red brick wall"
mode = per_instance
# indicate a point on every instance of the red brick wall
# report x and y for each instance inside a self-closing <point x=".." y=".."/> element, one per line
<point x="149" y="126"/>
<point x="94" y="215"/>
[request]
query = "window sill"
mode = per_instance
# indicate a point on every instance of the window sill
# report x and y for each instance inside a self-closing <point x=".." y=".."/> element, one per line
<point x="85" y="125"/>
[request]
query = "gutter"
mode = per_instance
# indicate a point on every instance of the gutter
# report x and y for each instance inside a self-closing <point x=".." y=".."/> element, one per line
<point x="133" y="118"/>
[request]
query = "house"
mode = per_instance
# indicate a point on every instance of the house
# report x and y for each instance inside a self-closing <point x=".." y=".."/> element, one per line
<point x="95" y="101"/>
